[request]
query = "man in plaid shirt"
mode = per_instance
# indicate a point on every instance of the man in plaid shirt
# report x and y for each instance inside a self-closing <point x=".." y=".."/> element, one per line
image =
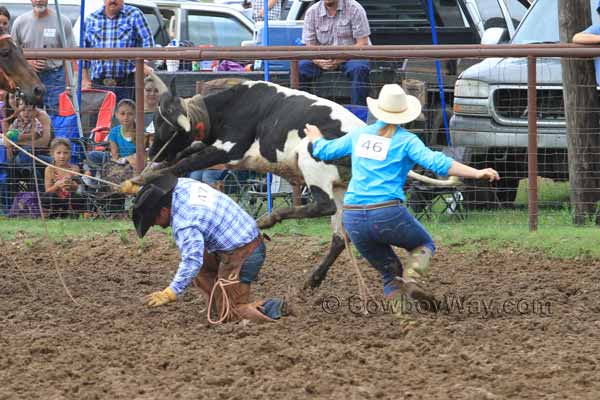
<point x="337" y="23"/>
<point x="115" y="25"/>
<point x="209" y="229"/>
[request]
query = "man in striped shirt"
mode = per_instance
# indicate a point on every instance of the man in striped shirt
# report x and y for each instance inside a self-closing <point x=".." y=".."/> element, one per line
<point x="209" y="228"/>
<point x="115" y="25"/>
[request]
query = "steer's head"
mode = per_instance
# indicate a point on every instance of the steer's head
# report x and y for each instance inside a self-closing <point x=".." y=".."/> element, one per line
<point x="171" y="119"/>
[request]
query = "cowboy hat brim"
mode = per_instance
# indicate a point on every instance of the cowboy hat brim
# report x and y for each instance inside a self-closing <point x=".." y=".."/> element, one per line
<point x="145" y="208"/>
<point x="412" y="112"/>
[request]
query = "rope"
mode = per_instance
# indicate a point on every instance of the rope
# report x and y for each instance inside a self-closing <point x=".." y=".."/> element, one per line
<point x="224" y="314"/>
<point x="363" y="291"/>
<point x="37" y="191"/>
<point x="34" y="157"/>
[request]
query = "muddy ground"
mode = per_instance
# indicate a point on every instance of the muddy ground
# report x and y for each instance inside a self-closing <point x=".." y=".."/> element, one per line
<point x="519" y="326"/>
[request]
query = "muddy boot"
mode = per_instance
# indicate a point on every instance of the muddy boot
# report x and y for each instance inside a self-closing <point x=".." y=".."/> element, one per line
<point x="418" y="262"/>
<point x="410" y="291"/>
<point x="241" y="307"/>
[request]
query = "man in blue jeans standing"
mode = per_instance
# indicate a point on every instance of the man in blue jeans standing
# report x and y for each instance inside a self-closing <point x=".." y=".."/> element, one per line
<point x="337" y="23"/>
<point x="220" y="246"/>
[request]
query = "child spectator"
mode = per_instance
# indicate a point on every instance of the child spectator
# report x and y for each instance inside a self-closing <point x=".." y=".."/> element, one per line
<point x="27" y="128"/>
<point x="20" y="117"/>
<point x="121" y="137"/>
<point x="60" y="198"/>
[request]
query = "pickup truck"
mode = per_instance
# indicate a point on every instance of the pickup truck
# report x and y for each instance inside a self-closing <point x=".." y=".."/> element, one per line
<point x="490" y="107"/>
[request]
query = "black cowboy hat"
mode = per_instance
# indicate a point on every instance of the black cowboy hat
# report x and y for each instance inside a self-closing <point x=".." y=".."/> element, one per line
<point x="146" y="203"/>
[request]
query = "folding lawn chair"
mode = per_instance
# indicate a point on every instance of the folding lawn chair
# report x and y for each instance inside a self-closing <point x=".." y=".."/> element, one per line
<point x="96" y="111"/>
<point x="429" y="201"/>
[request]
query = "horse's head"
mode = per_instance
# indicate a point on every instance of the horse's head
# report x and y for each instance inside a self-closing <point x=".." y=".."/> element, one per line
<point x="16" y="75"/>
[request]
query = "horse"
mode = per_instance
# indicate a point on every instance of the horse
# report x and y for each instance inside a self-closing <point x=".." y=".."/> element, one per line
<point x="16" y="75"/>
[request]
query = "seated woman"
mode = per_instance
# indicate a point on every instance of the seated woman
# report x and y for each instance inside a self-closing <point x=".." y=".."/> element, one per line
<point x="153" y="89"/>
<point x="60" y="198"/>
<point x="121" y="138"/>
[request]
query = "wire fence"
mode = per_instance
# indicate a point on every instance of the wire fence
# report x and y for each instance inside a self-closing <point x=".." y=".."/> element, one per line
<point x="486" y="122"/>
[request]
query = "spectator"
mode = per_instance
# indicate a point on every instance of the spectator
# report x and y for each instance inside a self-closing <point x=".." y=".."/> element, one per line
<point x="337" y="23"/>
<point x="10" y="114"/>
<point x="213" y="176"/>
<point x="60" y="197"/>
<point x="39" y="29"/>
<point x="27" y="127"/>
<point x="591" y="36"/>
<point x="121" y="138"/>
<point x="4" y="19"/>
<point x="258" y="12"/>
<point x="115" y="25"/>
<point x="153" y="89"/>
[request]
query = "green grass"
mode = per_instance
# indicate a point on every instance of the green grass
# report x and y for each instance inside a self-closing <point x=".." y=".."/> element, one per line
<point x="61" y="228"/>
<point x="494" y="230"/>
<point x="556" y="236"/>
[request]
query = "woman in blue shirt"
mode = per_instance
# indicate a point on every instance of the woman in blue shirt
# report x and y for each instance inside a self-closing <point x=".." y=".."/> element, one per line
<point x="374" y="215"/>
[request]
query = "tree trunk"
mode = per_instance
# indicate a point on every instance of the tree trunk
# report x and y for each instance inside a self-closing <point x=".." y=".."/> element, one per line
<point x="581" y="112"/>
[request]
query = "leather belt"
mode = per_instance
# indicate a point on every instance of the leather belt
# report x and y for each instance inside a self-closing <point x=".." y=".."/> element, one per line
<point x="373" y="206"/>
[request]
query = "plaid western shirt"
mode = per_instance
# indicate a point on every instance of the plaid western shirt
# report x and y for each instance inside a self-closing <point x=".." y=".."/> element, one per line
<point x="349" y="23"/>
<point x="204" y="217"/>
<point x="128" y="29"/>
<point x="274" y="12"/>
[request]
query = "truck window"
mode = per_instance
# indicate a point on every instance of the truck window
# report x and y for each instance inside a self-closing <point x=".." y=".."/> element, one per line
<point x="217" y="30"/>
<point x="540" y="25"/>
<point x="516" y="10"/>
<point x="155" y="24"/>
<point x="491" y="14"/>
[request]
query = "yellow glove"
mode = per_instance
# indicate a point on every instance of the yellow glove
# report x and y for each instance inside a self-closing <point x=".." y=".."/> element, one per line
<point x="160" y="298"/>
<point x="129" y="187"/>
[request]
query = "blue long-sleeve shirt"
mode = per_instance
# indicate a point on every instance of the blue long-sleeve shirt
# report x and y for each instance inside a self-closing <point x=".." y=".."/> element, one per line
<point x="379" y="180"/>
<point x="204" y="217"/>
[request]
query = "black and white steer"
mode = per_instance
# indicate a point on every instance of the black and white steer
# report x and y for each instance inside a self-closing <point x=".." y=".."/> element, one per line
<point x="258" y="126"/>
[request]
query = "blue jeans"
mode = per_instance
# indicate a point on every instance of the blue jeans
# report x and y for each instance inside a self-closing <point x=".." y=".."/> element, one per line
<point x="208" y="176"/>
<point x="249" y="273"/>
<point x="55" y="83"/>
<point x="374" y="232"/>
<point x="355" y="70"/>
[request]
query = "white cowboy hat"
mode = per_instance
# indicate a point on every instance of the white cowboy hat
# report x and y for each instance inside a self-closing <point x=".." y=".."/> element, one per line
<point x="394" y="106"/>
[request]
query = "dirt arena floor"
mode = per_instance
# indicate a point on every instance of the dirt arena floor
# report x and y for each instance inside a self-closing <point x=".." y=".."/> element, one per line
<point x="516" y="326"/>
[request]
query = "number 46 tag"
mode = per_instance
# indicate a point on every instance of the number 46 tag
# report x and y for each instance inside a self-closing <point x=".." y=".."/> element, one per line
<point x="372" y="147"/>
